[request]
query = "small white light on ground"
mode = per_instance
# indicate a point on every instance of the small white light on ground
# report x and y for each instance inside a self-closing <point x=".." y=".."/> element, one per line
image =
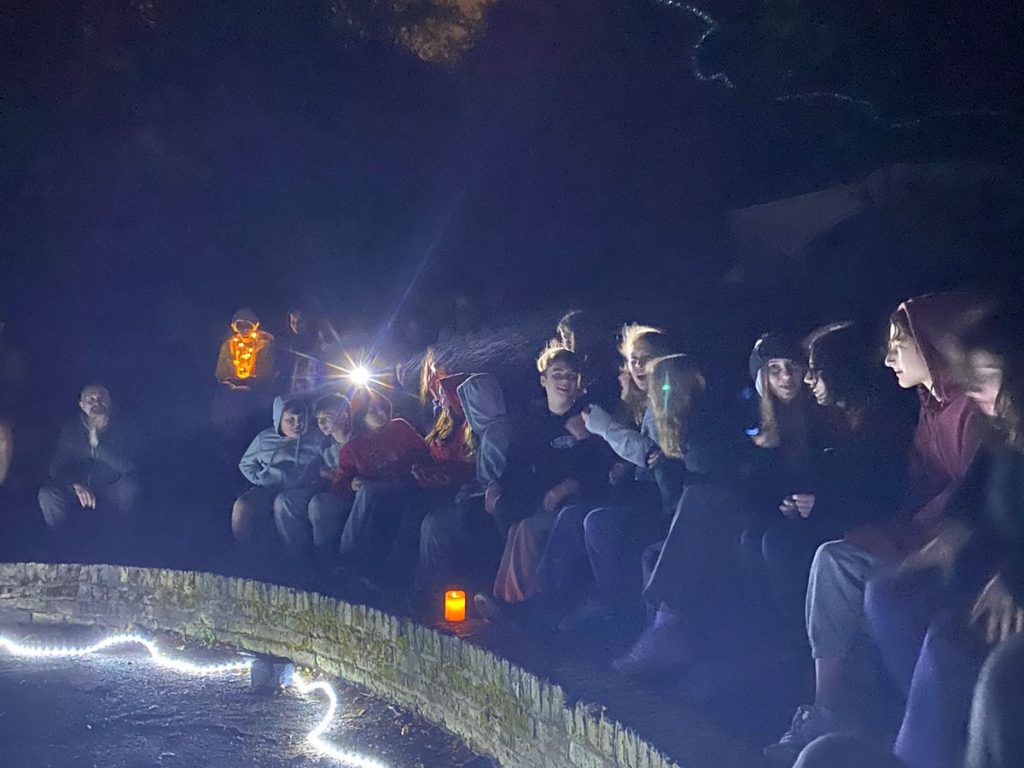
<point x="315" y="737"/>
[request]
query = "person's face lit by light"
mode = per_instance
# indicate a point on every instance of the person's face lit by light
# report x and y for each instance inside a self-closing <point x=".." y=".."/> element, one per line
<point x="814" y="379"/>
<point x="561" y="382"/>
<point x="293" y="424"/>
<point x="94" y="400"/>
<point x="905" y="359"/>
<point x="377" y="415"/>
<point x="640" y="357"/>
<point x="785" y="378"/>
<point x="332" y="420"/>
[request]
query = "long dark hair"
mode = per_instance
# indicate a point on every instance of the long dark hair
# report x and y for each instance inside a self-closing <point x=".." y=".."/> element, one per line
<point x="848" y="357"/>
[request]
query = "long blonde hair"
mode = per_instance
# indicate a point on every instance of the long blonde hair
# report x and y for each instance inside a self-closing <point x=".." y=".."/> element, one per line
<point x="631" y="333"/>
<point x="675" y="383"/>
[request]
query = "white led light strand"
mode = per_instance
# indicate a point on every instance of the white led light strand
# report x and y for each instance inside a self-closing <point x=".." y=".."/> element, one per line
<point x="315" y="737"/>
<point x="710" y="27"/>
<point x="865" y="106"/>
<point x="179" y="665"/>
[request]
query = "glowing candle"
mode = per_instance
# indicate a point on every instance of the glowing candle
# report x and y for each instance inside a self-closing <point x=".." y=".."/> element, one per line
<point x="454" y="605"/>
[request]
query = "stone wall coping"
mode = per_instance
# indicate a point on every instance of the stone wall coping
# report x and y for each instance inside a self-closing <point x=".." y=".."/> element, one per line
<point x="497" y="707"/>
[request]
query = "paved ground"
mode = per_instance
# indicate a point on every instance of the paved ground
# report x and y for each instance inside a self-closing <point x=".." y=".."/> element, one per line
<point x="116" y="710"/>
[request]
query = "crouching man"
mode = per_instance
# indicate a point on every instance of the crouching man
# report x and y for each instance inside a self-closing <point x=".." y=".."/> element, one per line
<point x="92" y="488"/>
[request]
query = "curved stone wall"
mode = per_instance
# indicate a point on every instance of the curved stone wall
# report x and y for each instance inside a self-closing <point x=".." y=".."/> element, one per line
<point x="496" y="707"/>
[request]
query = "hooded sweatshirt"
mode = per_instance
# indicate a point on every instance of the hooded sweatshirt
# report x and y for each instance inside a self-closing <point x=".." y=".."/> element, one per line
<point x="949" y="431"/>
<point x="279" y="463"/>
<point x="484" y="405"/>
<point x="388" y="453"/>
<point x="452" y="455"/>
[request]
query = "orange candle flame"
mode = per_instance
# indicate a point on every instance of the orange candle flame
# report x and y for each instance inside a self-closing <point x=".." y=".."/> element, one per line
<point x="454" y="605"/>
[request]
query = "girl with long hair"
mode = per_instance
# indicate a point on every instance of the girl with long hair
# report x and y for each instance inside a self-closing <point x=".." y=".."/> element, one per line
<point x="944" y="445"/>
<point x="615" y="536"/>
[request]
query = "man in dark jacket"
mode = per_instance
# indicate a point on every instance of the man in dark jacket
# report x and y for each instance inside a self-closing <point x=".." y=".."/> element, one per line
<point x="92" y="472"/>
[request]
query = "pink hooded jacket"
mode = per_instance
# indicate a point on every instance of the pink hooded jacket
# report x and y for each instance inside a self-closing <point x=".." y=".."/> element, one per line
<point x="948" y="434"/>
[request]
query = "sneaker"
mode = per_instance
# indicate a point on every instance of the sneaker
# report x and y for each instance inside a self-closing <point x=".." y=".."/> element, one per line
<point x="491" y="609"/>
<point x="809" y="722"/>
<point x="662" y="648"/>
<point x="589" y="612"/>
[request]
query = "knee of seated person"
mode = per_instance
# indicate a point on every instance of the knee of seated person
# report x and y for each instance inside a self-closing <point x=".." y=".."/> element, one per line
<point x="827" y="553"/>
<point x="281" y="505"/>
<point x="844" y="750"/>
<point x="595" y="520"/>
<point x="48" y="494"/>
<point x="1001" y="682"/>
<point x="321" y="506"/>
<point x="777" y="545"/>
<point x="243" y="514"/>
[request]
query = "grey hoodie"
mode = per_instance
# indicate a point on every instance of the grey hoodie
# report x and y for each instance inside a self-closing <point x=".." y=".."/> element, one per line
<point x="484" y="404"/>
<point x="277" y="463"/>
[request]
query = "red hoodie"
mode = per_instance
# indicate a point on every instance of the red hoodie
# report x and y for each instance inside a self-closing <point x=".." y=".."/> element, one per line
<point x="949" y="432"/>
<point x="388" y="453"/>
<point x="453" y="457"/>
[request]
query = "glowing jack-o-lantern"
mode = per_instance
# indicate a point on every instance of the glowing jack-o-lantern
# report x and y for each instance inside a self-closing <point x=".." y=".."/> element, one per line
<point x="244" y="350"/>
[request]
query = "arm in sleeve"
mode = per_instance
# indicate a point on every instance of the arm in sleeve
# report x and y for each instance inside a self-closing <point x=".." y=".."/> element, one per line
<point x="250" y="465"/>
<point x="347" y="471"/>
<point x="225" y="370"/>
<point x="627" y="442"/>
<point x="62" y="465"/>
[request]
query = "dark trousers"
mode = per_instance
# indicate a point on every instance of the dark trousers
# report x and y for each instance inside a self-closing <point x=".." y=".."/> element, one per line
<point x="697" y="568"/>
<point x="381" y="535"/>
<point x="777" y="556"/>
<point x="922" y="626"/>
<point x="115" y="505"/>
<point x="996" y="737"/>
<point x="616" y="538"/>
<point x="459" y="544"/>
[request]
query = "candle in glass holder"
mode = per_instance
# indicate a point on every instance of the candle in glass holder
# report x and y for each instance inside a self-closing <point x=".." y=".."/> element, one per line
<point x="454" y="605"/>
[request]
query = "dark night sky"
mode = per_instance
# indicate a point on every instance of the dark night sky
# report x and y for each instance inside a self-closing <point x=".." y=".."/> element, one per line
<point x="156" y="179"/>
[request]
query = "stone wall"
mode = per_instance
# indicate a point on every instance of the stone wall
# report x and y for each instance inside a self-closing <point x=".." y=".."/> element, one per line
<point x="496" y="707"/>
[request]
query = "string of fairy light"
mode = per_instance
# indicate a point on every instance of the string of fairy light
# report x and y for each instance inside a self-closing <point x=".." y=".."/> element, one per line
<point x="865" y="106"/>
<point x="316" y="737"/>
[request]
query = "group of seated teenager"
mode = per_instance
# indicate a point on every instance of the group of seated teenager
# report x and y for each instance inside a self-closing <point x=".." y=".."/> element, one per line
<point x="625" y="495"/>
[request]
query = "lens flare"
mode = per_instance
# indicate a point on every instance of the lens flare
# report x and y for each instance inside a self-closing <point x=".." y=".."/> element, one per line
<point x="360" y="376"/>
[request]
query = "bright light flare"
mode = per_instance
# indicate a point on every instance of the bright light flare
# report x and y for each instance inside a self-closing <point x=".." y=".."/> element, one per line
<point x="360" y="376"/>
<point x="359" y="372"/>
<point x="315" y="737"/>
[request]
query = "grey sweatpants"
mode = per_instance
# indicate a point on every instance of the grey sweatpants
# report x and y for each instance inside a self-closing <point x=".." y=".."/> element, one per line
<point x="835" y="597"/>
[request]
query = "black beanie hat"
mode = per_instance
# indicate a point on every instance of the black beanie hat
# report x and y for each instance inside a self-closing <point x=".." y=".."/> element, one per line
<point x="773" y="345"/>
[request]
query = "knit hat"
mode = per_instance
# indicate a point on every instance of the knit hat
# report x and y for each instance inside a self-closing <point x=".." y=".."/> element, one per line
<point x="246" y="315"/>
<point x="771" y="346"/>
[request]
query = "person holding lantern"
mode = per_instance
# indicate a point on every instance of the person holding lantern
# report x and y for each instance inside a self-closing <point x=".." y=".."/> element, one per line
<point x="246" y="357"/>
<point x="246" y="371"/>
